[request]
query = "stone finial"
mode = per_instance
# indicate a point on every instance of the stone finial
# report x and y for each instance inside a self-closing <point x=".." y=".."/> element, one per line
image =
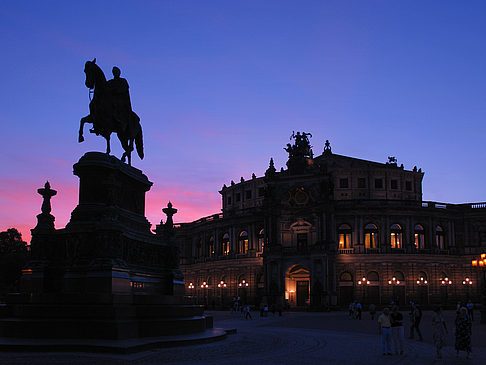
<point x="232" y="182"/>
<point x="253" y="176"/>
<point x="271" y="169"/>
<point x="242" y="180"/>
<point x="327" y="147"/>
<point x="45" y="220"/>
<point x="169" y="212"/>
<point x="47" y="193"/>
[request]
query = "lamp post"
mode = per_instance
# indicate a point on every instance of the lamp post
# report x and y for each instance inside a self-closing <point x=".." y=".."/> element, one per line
<point x="364" y="283"/>
<point x="191" y="291"/>
<point x="422" y="284"/>
<point x="222" y="285"/>
<point x="242" y="285"/>
<point x="394" y="282"/>
<point x="480" y="264"/>
<point x="445" y="283"/>
<point x="205" y="287"/>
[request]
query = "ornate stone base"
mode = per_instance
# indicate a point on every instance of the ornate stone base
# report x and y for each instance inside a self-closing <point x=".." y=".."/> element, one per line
<point x="105" y="276"/>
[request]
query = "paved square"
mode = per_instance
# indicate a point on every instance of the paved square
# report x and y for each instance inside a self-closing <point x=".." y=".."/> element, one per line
<point x="294" y="338"/>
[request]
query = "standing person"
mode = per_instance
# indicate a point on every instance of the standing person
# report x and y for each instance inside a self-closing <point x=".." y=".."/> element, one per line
<point x="463" y="332"/>
<point x="439" y="330"/>
<point x="470" y="308"/>
<point x="416" y="317"/>
<point x="359" y="310"/>
<point x="351" y="310"/>
<point x="397" y="330"/>
<point x="372" y="311"/>
<point x="384" y="328"/>
<point x="247" y="312"/>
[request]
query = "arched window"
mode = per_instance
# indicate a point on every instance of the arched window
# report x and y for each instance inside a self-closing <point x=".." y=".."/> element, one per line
<point x="440" y="238"/>
<point x="398" y="277"/>
<point x="422" y="278"/>
<point x="344" y="236"/>
<point x="373" y="276"/>
<point x="419" y="237"/>
<point x="211" y="247"/>
<point x="261" y="240"/>
<point x="243" y="242"/>
<point x="346" y="276"/>
<point x="226" y="244"/>
<point x="396" y="236"/>
<point x="371" y="236"/>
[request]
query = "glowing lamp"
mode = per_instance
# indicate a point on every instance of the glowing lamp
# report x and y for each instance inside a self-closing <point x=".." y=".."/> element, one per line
<point x="359" y="282"/>
<point x="483" y="256"/>
<point x="474" y="262"/>
<point x="481" y="263"/>
<point x="418" y="282"/>
<point x="389" y="281"/>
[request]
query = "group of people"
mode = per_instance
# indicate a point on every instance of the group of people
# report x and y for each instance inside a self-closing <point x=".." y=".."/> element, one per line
<point x="244" y="309"/>
<point x="390" y="324"/>
<point x="356" y="310"/>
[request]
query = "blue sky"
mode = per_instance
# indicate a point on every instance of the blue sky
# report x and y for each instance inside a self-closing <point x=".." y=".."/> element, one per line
<point x="221" y="85"/>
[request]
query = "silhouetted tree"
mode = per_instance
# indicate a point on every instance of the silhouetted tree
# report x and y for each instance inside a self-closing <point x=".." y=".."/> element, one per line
<point x="13" y="256"/>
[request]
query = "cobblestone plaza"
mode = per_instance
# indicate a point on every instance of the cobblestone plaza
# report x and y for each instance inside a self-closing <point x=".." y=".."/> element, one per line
<point x="294" y="338"/>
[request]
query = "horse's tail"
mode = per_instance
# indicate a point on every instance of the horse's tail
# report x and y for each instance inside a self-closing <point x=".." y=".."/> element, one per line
<point x="139" y="142"/>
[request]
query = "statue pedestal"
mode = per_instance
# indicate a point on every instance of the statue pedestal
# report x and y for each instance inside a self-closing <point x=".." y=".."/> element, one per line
<point x="105" y="276"/>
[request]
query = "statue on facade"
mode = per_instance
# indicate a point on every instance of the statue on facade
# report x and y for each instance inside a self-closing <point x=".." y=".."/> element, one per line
<point x="301" y="147"/>
<point x="110" y="111"/>
<point x="300" y="153"/>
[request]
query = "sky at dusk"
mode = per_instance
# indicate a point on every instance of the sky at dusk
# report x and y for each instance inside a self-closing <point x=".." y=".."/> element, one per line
<point x="220" y="86"/>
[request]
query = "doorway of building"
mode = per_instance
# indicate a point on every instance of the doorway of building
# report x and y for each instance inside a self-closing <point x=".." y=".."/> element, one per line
<point x="297" y="286"/>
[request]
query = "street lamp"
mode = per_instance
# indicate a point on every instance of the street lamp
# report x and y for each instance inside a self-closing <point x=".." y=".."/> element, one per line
<point x="222" y="285"/>
<point x="364" y="282"/>
<point x="480" y="264"/>
<point x="205" y="287"/>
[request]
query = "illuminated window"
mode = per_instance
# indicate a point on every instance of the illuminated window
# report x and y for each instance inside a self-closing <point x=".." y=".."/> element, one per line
<point x="396" y="236"/>
<point x="371" y="235"/>
<point x="261" y="240"/>
<point x="243" y="242"/>
<point x="344" y="236"/>
<point x="440" y="238"/>
<point x="419" y="237"/>
<point x="226" y="244"/>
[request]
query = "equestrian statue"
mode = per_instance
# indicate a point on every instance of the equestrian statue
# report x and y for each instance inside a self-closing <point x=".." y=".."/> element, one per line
<point x="110" y="111"/>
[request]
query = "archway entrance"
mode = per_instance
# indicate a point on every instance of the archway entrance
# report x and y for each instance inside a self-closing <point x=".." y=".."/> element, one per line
<point x="297" y="286"/>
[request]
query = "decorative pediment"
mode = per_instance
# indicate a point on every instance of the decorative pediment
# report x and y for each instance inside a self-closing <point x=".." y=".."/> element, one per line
<point x="301" y="226"/>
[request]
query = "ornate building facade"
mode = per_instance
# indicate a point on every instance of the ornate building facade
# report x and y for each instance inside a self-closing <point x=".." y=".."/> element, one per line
<point x="330" y="229"/>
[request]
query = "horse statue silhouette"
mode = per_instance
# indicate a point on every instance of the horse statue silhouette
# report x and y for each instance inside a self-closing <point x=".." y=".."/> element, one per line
<point x="110" y="111"/>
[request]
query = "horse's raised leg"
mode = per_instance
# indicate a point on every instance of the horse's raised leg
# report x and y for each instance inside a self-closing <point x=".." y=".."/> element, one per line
<point x="108" y="150"/>
<point x="84" y="120"/>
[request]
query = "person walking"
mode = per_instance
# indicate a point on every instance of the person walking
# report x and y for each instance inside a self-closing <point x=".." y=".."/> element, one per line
<point x="470" y="309"/>
<point x="463" y="332"/>
<point x="247" y="312"/>
<point x="359" y="310"/>
<point x="397" y="330"/>
<point x="372" y="309"/>
<point x="439" y="330"/>
<point x="416" y="317"/>
<point x="384" y="328"/>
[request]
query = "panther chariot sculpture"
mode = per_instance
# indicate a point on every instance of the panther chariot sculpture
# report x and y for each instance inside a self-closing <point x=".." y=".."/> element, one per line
<point x="110" y="111"/>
